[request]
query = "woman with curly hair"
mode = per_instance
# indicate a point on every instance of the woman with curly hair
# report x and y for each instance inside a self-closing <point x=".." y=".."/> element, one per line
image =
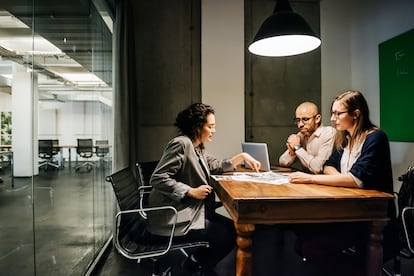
<point x="181" y="179"/>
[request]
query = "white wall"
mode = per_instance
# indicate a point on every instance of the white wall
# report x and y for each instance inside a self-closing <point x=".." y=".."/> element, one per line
<point x="351" y="32"/>
<point x="335" y="52"/>
<point x="47" y="123"/>
<point x="222" y="67"/>
<point x="5" y="102"/>
<point x="24" y="118"/>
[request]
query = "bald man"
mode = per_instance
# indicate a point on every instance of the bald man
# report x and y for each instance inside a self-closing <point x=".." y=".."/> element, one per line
<point x="312" y="145"/>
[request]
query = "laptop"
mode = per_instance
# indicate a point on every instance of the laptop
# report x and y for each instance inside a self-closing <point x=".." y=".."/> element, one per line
<point x="259" y="152"/>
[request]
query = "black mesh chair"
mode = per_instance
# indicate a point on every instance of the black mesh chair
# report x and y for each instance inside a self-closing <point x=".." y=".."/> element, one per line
<point x="405" y="220"/>
<point x="56" y="153"/>
<point x="130" y="237"/>
<point x="85" y="150"/>
<point x="408" y="224"/>
<point x="47" y="155"/>
<point x="55" y="146"/>
<point x="101" y="148"/>
<point x="144" y="172"/>
<point x="406" y="209"/>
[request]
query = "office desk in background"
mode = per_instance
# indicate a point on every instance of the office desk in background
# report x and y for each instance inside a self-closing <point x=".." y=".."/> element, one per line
<point x="70" y="147"/>
<point x="250" y="203"/>
<point x="5" y="147"/>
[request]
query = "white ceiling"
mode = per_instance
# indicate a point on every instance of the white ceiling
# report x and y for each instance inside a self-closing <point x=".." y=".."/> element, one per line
<point x="71" y="55"/>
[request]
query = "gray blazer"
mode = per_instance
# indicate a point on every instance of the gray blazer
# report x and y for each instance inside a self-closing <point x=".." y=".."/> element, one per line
<point x="179" y="169"/>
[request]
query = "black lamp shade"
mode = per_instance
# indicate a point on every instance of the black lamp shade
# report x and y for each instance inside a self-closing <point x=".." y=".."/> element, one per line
<point x="284" y="33"/>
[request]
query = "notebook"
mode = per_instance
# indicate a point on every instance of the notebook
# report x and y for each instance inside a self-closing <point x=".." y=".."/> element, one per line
<point x="259" y="152"/>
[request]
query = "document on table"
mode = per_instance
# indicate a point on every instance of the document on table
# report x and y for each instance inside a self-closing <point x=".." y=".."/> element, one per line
<point x="262" y="177"/>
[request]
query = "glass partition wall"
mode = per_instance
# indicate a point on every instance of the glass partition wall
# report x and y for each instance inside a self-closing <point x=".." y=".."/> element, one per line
<point x="55" y="94"/>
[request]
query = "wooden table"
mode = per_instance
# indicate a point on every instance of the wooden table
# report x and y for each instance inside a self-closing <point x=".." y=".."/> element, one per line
<point x="250" y="203"/>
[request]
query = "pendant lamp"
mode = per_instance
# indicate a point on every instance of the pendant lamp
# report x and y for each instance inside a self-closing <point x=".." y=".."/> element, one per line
<point x="285" y="33"/>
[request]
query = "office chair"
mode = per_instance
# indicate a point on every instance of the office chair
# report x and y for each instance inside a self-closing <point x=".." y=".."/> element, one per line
<point x="406" y="205"/>
<point x="47" y="155"/>
<point x="56" y="152"/>
<point x="101" y="148"/>
<point x="131" y="239"/>
<point x="144" y="172"/>
<point x="405" y="220"/>
<point x="85" y="150"/>
<point x="55" y="146"/>
<point x="408" y="223"/>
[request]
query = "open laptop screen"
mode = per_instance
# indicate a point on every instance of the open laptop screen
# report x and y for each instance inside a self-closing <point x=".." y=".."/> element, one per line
<point x="259" y="152"/>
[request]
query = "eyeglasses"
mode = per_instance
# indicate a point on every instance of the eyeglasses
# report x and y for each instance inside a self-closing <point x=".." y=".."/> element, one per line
<point x="336" y="114"/>
<point x="304" y="119"/>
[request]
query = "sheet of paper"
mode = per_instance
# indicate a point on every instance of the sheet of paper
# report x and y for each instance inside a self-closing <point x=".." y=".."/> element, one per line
<point x="263" y="177"/>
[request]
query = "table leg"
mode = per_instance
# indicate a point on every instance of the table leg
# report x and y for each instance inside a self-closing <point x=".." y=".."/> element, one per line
<point x="374" y="249"/>
<point x="244" y="246"/>
<point x="12" y="171"/>
<point x="70" y="158"/>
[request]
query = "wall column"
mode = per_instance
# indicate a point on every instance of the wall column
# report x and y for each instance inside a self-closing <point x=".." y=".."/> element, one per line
<point x="24" y="122"/>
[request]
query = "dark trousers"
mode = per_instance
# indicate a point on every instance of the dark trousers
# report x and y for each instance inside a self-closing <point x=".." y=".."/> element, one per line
<point x="326" y="245"/>
<point x="267" y="250"/>
<point x="329" y="238"/>
<point x="321" y="244"/>
<point x="221" y="235"/>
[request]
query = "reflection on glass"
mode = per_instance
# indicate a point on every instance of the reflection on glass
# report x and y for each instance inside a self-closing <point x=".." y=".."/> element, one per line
<point x="56" y="86"/>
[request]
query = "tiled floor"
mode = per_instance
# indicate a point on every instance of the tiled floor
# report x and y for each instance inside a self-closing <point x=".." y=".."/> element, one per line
<point x="61" y="239"/>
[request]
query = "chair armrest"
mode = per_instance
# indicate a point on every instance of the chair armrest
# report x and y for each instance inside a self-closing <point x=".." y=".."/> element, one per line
<point x="139" y="211"/>
<point x="408" y="228"/>
<point x="145" y="189"/>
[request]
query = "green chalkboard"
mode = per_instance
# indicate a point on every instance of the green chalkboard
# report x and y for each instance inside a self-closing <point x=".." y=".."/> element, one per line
<point x="396" y="66"/>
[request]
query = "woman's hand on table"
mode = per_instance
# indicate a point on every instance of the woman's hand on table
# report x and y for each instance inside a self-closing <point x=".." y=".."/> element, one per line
<point x="253" y="163"/>
<point x="301" y="178"/>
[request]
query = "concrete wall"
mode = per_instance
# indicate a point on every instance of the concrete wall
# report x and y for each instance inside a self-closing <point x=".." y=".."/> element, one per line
<point x="222" y="72"/>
